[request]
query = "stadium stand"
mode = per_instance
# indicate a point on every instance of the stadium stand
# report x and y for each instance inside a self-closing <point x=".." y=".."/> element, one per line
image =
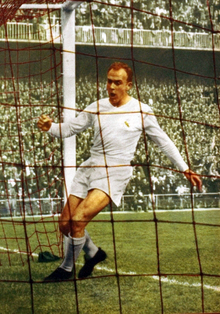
<point x="191" y="29"/>
<point x="150" y="23"/>
<point x="195" y="95"/>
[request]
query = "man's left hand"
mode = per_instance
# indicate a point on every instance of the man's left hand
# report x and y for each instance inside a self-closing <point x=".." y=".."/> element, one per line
<point x="194" y="179"/>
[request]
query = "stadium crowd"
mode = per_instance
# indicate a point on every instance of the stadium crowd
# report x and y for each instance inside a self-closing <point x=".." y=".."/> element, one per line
<point x="157" y="17"/>
<point x="194" y="24"/>
<point x="152" y="15"/>
<point x="31" y="161"/>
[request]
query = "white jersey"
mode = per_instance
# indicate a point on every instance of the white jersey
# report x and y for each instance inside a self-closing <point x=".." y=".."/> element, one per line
<point x="117" y="131"/>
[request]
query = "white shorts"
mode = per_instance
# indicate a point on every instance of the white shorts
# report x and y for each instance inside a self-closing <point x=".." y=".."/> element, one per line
<point x="112" y="180"/>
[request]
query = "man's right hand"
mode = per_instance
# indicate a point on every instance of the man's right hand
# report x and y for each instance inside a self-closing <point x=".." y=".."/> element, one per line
<point x="44" y="123"/>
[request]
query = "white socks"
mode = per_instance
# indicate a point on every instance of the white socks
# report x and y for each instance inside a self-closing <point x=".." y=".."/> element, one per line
<point x="73" y="247"/>
<point x="89" y="248"/>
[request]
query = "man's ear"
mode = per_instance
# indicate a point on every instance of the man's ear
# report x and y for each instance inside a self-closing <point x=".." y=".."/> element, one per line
<point x="129" y="85"/>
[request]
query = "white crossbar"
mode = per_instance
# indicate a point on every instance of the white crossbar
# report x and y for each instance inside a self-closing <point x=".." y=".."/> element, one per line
<point x="68" y="5"/>
<point x="41" y="6"/>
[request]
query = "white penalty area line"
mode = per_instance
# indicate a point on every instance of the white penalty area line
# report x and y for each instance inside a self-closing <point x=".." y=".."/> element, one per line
<point x="18" y="252"/>
<point x="180" y="283"/>
<point x="163" y="279"/>
<point x="110" y="270"/>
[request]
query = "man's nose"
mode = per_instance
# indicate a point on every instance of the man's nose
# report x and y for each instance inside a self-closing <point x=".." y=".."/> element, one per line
<point x="112" y="85"/>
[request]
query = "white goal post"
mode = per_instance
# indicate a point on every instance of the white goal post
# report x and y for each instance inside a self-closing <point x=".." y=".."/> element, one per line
<point x="69" y="93"/>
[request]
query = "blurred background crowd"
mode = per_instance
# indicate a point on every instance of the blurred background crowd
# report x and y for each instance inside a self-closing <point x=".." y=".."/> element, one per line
<point x="152" y="15"/>
<point x="31" y="161"/>
<point x="189" y="11"/>
<point x="188" y="24"/>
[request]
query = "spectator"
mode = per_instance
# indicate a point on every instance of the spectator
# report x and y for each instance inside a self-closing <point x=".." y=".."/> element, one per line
<point x="198" y="103"/>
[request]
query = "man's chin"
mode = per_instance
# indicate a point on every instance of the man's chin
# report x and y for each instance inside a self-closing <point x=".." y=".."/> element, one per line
<point x="113" y="100"/>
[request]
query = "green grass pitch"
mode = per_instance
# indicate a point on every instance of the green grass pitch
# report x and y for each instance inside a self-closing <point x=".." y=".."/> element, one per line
<point x="138" y="248"/>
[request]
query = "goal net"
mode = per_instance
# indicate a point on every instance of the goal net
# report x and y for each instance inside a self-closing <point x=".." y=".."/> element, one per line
<point x="173" y="49"/>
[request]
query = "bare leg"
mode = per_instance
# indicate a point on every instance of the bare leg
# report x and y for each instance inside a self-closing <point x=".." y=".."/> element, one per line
<point x="76" y="215"/>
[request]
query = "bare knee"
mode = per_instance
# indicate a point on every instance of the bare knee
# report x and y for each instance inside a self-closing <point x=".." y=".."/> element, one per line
<point x="78" y="224"/>
<point x="74" y="226"/>
<point x="64" y="226"/>
<point x="65" y="220"/>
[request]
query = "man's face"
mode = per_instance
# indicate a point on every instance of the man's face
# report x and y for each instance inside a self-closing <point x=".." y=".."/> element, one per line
<point x="118" y="87"/>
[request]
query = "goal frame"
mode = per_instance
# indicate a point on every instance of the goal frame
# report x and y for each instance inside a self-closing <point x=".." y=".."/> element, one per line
<point x="69" y="79"/>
